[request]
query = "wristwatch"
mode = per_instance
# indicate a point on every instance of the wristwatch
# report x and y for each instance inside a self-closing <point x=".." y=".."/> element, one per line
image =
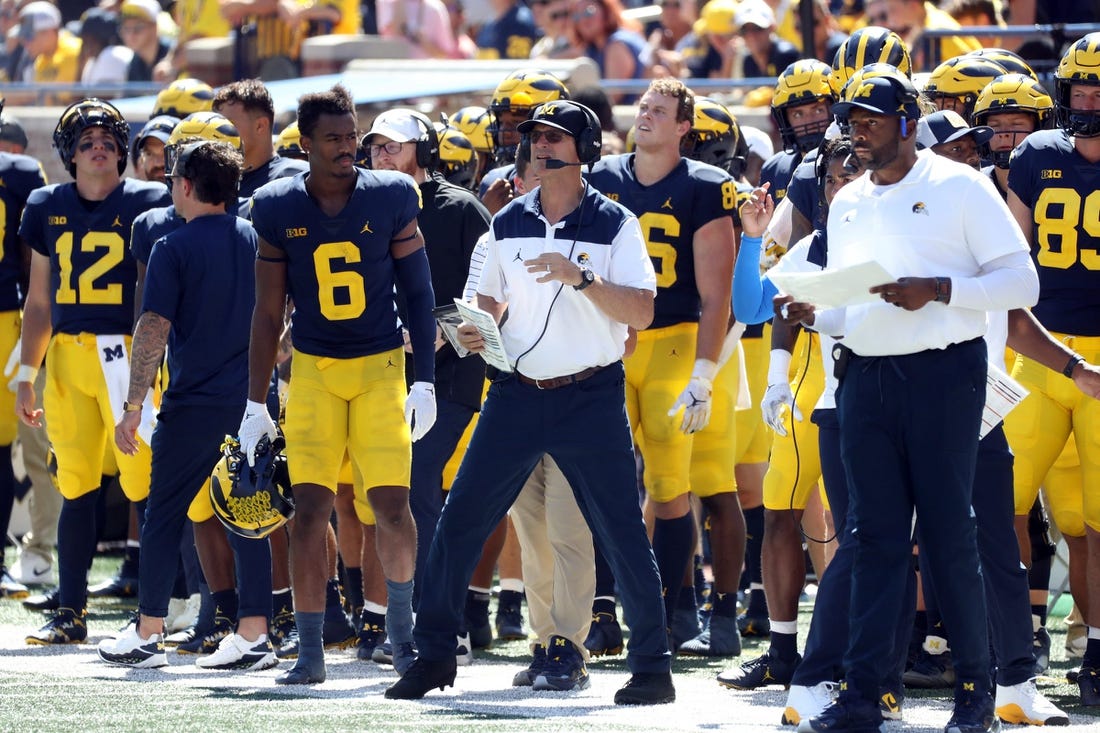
<point x="587" y="278"/>
<point x="129" y="407"/>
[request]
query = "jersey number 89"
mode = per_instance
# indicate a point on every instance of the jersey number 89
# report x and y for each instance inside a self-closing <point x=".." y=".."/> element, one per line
<point x="1065" y="228"/>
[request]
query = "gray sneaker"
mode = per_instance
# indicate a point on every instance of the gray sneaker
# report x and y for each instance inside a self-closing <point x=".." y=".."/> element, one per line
<point x="721" y="638"/>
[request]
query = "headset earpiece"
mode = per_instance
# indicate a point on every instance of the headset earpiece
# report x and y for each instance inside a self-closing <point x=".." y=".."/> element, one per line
<point x="590" y="140"/>
<point x="904" y="127"/>
<point x="524" y="148"/>
<point x="427" y="146"/>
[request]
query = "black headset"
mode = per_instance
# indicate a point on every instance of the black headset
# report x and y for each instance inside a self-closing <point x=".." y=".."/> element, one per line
<point x="588" y="142"/>
<point x="427" y="145"/>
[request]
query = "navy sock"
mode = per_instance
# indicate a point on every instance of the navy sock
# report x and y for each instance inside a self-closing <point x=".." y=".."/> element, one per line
<point x="724" y="604"/>
<point x="604" y="605"/>
<point x="673" y="548"/>
<point x="399" y="622"/>
<point x="225" y="603"/>
<point x="7" y="495"/>
<point x="353" y="587"/>
<point x="282" y="601"/>
<point x="783" y="646"/>
<point x="754" y="541"/>
<point x="311" y="651"/>
<point x="205" y="620"/>
<point x="1092" y="654"/>
<point x="76" y="539"/>
<point x="1040" y="610"/>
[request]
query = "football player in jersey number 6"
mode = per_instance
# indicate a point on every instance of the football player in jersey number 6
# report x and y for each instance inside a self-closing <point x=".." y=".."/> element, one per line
<point x="336" y="239"/>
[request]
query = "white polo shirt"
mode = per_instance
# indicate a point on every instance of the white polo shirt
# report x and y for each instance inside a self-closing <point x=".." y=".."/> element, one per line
<point x="555" y="330"/>
<point x="944" y="219"/>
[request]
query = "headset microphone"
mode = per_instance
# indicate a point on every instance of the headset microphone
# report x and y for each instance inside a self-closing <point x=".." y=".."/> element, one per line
<point x="851" y="163"/>
<point x="552" y="164"/>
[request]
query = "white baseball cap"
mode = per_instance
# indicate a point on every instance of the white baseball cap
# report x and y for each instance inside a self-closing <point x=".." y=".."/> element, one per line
<point x="400" y="125"/>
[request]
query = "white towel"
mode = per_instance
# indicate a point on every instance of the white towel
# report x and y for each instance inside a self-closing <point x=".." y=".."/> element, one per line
<point x="115" y="362"/>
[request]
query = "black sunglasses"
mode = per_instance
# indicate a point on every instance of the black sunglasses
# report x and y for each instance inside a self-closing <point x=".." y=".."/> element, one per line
<point x="552" y="136"/>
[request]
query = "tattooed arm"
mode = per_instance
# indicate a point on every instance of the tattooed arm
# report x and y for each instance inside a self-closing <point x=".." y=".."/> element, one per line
<point x="146" y="355"/>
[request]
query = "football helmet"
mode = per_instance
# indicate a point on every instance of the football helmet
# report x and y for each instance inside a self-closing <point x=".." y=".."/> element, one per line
<point x="867" y="46"/>
<point x="1079" y="65"/>
<point x="159" y="127"/>
<point x="1011" y="93"/>
<point x="714" y="137"/>
<point x="1012" y="62"/>
<point x="473" y="122"/>
<point x="183" y="97"/>
<point x="209" y="126"/>
<point x="289" y="144"/>
<point x="82" y="115"/>
<point x="457" y="157"/>
<point x="959" y="80"/>
<point x="803" y="82"/>
<point x="252" y="501"/>
<point x="519" y="93"/>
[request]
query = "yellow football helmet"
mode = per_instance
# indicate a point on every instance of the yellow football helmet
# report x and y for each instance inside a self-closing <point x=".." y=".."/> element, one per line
<point x="714" y="137"/>
<point x="473" y="122"/>
<point x="252" y="501"/>
<point x="869" y="45"/>
<point x="803" y="82"/>
<point x="1012" y="93"/>
<point x="81" y="115"/>
<point x="289" y="144"/>
<point x="519" y="93"/>
<point x="457" y="158"/>
<point x="1079" y="65"/>
<point x="959" y="80"/>
<point x="1012" y="62"/>
<point x="209" y="126"/>
<point x="183" y="97"/>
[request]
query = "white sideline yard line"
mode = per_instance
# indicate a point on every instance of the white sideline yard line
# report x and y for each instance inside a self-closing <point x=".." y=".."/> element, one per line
<point x="59" y="684"/>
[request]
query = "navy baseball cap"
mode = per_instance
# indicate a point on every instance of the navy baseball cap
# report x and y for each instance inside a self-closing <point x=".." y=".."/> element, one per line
<point x="889" y="94"/>
<point x="948" y="126"/>
<point x="11" y="130"/>
<point x="570" y="117"/>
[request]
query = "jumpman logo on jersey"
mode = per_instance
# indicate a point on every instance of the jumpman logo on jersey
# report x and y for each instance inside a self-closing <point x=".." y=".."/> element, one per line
<point x="366" y="229"/>
<point x="117" y="221"/>
<point x="673" y="353"/>
<point x="389" y="363"/>
<point x="517" y="258"/>
<point x="667" y="204"/>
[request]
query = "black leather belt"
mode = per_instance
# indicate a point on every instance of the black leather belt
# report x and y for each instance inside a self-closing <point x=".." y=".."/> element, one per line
<point x="555" y="382"/>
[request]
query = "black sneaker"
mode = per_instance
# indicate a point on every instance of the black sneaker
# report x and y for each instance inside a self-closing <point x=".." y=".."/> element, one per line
<point x="509" y="620"/>
<point x="974" y="713"/>
<point x="526" y="677"/>
<point x="647" y="689"/>
<point x="282" y="625"/>
<point x="65" y="627"/>
<point x="289" y="647"/>
<point x="605" y="636"/>
<point x="48" y="601"/>
<point x="565" y="670"/>
<point x="760" y="672"/>
<point x="754" y="626"/>
<point x="117" y="587"/>
<point x="930" y="672"/>
<point x="370" y="636"/>
<point x="207" y="641"/>
<point x="337" y="631"/>
<point x="846" y="714"/>
<point x="1088" y="680"/>
<point x="477" y="620"/>
<point x="421" y="677"/>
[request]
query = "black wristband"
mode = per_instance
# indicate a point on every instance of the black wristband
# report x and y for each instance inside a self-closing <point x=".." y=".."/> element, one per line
<point x="943" y="290"/>
<point x="1071" y="364"/>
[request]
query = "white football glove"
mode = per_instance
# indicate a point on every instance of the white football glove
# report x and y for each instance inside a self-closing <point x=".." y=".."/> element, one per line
<point x="255" y="424"/>
<point x="12" y="366"/>
<point x="696" y="397"/>
<point x="420" y="409"/>
<point x="775" y="398"/>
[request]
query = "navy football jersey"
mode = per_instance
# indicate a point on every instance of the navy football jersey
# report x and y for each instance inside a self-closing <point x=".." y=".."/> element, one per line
<point x="1063" y="191"/>
<point x="804" y="193"/>
<point x="778" y="171"/>
<point x="339" y="271"/>
<point x="274" y="169"/>
<point x="92" y="272"/>
<point x="670" y="212"/>
<point x="201" y="277"/>
<point x="149" y="228"/>
<point x="19" y="175"/>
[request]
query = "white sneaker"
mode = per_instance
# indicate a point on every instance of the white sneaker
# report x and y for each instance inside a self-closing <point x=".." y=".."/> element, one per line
<point x="187" y="613"/>
<point x="130" y="650"/>
<point x="236" y="652"/>
<point x="804" y="702"/>
<point x="1024" y="704"/>
<point x="464" y="652"/>
<point x="34" y="567"/>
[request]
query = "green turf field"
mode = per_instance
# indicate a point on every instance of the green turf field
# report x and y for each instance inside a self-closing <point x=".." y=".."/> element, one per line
<point x="68" y="689"/>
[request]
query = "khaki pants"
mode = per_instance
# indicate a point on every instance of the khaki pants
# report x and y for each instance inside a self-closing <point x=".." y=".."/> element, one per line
<point x="45" y="499"/>
<point x="559" y="571"/>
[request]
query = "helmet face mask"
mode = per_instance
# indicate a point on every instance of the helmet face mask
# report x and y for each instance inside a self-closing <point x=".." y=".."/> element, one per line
<point x="82" y="116"/>
<point x="1079" y="67"/>
<point x="956" y="83"/>
<point x="252" y="501"/>
<point x="515" y="97"/>
<point x="1015" y="94"/>
<point x="802" y="84"/>
<point x="458" y="160"/>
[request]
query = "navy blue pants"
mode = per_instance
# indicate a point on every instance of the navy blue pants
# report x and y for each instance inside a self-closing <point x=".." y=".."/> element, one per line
<point x="584" y="428"/>
<point x="909" y="440"/>
<point x="185" y="448"/>
<point x="429" y="457"/>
